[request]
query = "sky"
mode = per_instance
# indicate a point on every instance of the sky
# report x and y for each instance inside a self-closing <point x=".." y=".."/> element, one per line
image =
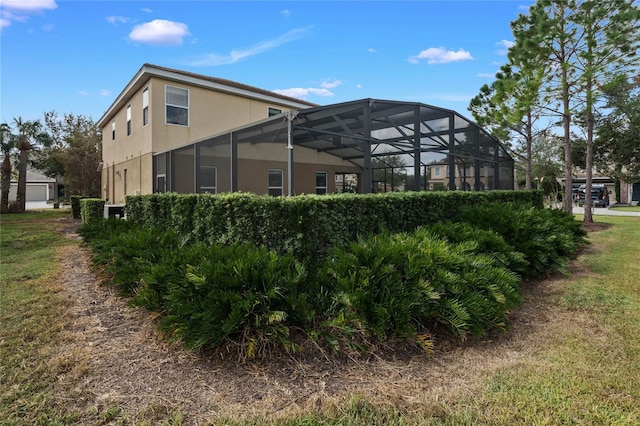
<point x="77" y="56"/>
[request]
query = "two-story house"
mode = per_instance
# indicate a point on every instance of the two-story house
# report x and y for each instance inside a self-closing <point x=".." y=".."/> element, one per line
<point x="176" y="131"/>
<point x="163" y="109"/>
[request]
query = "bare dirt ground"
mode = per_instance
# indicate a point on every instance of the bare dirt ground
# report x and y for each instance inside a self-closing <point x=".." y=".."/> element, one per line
<point x="112" y="355"/>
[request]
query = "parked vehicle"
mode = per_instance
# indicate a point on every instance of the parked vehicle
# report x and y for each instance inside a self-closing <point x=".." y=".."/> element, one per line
<point x="599" y="195"/>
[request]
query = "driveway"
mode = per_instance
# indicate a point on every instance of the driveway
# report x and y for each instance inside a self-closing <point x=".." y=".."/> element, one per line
<point x="39" y="205"/>
<point x="605" y="211"/>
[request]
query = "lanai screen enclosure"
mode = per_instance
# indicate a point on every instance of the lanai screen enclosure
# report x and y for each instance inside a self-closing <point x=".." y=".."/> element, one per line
<point x="435" y="148"/>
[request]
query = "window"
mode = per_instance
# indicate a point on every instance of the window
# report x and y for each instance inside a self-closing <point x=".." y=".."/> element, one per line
<point x="177" y="101"/>
<point x="125" y="181"/>
<point x="160" y="166"/>
<point x="274" y="111"/>
<point x="129" y="120"/>
<point x="113" y="130"/>
<point x="436" y="171"/>
<point x="207" y="179"/>
<point x="275" y="182"/>
<point x="145" y="107"/>
<point x="321" y="182"/>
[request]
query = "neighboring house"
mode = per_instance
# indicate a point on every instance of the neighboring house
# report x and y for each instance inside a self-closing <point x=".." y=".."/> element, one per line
<point x="39" y="187"/>
<point x="629" y="192"/>
<point x="464" y="176"/>
<point x="175" y="131"/>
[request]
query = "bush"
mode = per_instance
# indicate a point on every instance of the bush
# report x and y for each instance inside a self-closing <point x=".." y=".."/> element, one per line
<point x="407" y="283"/>
<point x="487" y="242"/>
<point x="91" y="209"/>
<point x="546" y="238"/>
<point x="458" y="277"/>
<point x="75" y="206"/>
<point x="239" y="292"/>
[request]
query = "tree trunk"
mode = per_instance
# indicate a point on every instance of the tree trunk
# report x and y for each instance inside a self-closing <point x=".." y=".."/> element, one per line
<point x="588" y="203"/>
<point x="529" y="142"/>
<point x="21" y="196"/>
<point x="5" y="183"/>
<point x="566" y="123"/>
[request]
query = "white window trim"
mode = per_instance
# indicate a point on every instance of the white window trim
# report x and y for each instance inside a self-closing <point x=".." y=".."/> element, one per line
<point x="145" y="105"/>
<point x="188" y="107"/>
<point x="129" y="130"/>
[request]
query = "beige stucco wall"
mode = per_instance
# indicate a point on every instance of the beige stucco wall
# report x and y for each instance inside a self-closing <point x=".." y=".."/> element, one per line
<point x="130" y="177"/>
<point x="255" y="160"/>
<point x="210" y="112"/>
<point x="125" y="147"/>
<point x="255" y="173"/>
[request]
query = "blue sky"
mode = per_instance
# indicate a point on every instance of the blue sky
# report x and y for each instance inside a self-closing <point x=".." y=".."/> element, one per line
<point x="76" y="56"/>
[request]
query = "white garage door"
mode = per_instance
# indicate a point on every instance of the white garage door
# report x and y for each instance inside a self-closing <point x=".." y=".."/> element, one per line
<point x="37" y="192"/>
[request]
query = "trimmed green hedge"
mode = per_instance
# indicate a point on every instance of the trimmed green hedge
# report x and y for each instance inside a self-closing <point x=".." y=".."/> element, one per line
<point x="307" y="225"/>
<point x="75" y="206"/>
<point x="91" y="209"/>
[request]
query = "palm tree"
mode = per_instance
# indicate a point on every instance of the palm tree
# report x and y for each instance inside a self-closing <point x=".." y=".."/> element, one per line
<point x="30" y="134"/>
<point x="7" y="144"/>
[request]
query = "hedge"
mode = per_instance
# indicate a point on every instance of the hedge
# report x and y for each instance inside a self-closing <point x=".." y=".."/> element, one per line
<point x="461" y="278"/>
<point x="91" y="209"/>
<point x="75" y="205"/>
<point x="306" y="225"/>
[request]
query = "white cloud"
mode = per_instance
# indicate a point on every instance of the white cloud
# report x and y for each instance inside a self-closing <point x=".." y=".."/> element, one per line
<point x="504" y="46"/>
<point x="330" y="84"/>
<point x="236" y="55"/>
<point x="47" y="27"/>
<point x="303" y="93"/>
<point x="105" y="92"/>
<point x="371" y="50"/>
<point x="28" y="5"/>
<point x="286" y="13"/>
<point x="160" y="32"/>
<point x="147" y="10"/>
<point x="83" y="93"/>
<point x="19" y="10"/>
<point x="485" y="75"/>
<point x="439" y="55"/>
<point x="115" y="20"/>
<point x="358" y="86"/>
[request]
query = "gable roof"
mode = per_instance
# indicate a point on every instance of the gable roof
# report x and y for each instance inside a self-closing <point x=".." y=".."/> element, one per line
<point x="220" y="84"/>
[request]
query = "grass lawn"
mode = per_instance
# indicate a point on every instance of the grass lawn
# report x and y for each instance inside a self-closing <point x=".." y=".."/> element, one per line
<point x="626" y="208"/>
<point x="584" y="368"/>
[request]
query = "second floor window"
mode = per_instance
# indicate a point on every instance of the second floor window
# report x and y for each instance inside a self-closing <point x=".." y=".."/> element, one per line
<point x="177" y="102"/>
<point x="129" y="120"/>
<point x="113" y="130"/>
<point x="145" y="107"/>
<point x="274" y="111"/>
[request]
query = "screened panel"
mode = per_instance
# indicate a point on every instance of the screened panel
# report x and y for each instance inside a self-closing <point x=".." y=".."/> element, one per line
<point x="254" y="162"/>
<point x="184" y="170"/>
<point x="214" y="165"/>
